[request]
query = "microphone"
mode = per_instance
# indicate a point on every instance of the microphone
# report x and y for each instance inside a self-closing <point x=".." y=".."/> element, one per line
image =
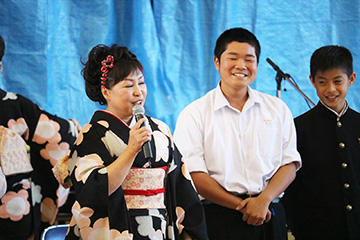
<point x="138" y="112"/>
<point x="276" y="68"/>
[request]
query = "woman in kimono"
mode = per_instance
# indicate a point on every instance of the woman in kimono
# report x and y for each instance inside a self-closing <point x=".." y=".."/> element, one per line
<point x="32" y="198"/>
<point x="119" y="193"/>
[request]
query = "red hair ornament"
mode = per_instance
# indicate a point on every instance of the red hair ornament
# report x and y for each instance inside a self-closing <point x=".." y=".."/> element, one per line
<point x="106" y="65"/>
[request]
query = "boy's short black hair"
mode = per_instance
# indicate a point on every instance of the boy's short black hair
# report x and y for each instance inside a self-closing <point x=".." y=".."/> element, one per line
<point x="331" y="57"/>
<point x="2" y="48"/>
<point x="236" y="35"/>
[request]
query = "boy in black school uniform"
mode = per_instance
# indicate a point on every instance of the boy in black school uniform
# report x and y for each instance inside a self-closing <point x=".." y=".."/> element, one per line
<point x="323" y="202"/>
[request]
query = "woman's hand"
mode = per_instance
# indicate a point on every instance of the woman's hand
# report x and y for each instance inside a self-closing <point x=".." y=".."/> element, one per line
<point x="118" y="170"/>
<point x="138" y="136"/>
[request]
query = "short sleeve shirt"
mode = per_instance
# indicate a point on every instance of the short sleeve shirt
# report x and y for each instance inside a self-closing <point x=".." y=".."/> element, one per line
<point x="241" y="150"/>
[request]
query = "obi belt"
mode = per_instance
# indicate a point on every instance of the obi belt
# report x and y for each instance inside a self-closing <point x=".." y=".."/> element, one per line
<point x="144" y="188"/>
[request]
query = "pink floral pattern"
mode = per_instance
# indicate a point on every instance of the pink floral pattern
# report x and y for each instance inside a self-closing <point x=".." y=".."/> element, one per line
<point x="15" y="205"/>
<point x="113" y="143"/>
<point x="38" y="128"/>
<point x="25" y="183"/>
<point x="162" y="143"/>
<point x="185" y="171"/>
<point x="162" y="126"/>
<point x="101" y="228"/>
<point x="85" y="129"/>
<point x="103" y="123"/>
<point x="46" y="130"/>
<point x="48" y="210"/>
<point x="81" y="216"/>
<point x="97" y="149"/>
<point x="146" y="226"/>
<point x="54" y="151"/>
<point x="144" y="179"/>
<point x="180" y="213"/>
<point x="14" y="157"/>
<point x="85" y="165"/>
<point x="20" y="127"/>
<point x="62" y="195"/>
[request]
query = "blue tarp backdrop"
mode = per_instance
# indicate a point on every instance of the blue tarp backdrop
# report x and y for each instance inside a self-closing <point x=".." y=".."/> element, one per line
<point x="174" y="39"/>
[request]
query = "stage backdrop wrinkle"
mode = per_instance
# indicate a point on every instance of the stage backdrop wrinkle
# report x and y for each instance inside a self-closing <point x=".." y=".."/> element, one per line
<point x="175" y="40"/>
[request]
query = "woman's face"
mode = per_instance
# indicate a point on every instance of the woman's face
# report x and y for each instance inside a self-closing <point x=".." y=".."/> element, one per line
<point x="123" y="96"/>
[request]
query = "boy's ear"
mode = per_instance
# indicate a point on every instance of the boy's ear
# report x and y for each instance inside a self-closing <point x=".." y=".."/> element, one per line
<point x="352" y="79"/>
<point x="312" y="80"/>
<point x="217" y="63"/>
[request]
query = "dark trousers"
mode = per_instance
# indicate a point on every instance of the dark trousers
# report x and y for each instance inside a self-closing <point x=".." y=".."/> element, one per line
<point x="227" y="224"/>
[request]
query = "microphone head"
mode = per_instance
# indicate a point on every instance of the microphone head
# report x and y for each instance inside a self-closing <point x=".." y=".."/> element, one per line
<point x="138" y="109"/>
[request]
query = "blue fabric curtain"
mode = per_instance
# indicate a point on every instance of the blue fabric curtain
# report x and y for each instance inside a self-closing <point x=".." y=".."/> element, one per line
<point x="45" y="41"/>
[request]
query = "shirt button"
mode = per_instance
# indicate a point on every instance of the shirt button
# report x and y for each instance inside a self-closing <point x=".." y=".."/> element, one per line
<point x="344" y="165"/>
<point x="349" y="208"/>
<point x="341" y="145"/>
<point x="346" y="185"/>
<point x="339" y="124"/>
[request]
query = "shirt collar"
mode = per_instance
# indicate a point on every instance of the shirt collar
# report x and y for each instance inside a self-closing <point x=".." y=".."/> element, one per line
<point x="221" y="101"/>
<point x="342" y="112"/>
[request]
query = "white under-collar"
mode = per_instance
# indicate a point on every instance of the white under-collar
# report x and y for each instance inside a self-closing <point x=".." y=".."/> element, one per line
<point x="342" y="112"/>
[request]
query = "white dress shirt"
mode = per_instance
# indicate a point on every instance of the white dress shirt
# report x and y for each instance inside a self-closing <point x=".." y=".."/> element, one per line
<point x="241" y="150"/>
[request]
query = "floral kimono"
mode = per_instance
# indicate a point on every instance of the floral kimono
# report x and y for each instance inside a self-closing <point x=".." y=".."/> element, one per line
<point x="156" y="200"/>
<point x="32" y="198"/>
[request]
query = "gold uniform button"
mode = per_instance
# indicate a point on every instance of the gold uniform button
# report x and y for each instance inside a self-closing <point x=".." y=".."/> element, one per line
<point x="341" y="145"/>
<point x="349" y="207"/>
<point x="344" y="165"/>
<point x="339" y="124"/>
<point x="346" y="185"/>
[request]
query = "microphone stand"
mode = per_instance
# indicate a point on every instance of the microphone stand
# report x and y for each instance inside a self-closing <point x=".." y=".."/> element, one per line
<point x="280" y="76"/>
<point x="278" y="80"/>
<point x="298" y="89"/>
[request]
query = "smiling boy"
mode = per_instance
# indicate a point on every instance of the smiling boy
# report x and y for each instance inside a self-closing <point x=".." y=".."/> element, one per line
<point x="240" y="146"/>
<point x="324" y="200"/>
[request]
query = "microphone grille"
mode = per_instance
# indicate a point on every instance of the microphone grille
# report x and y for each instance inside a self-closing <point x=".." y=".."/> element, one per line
<point x="138" y="109"/>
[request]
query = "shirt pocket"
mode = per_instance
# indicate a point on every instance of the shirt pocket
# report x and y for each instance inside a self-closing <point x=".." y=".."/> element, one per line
<point x="269" y="140"/>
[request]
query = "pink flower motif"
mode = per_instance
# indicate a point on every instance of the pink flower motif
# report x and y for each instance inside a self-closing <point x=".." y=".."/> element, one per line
<point x="162" y="143"/>
<point x="180" y="213"/>
<point x="48" y="210"/>
<point x="62" y="195"/>
<point x="20" y="127"/>
<point x="15" y="205"/>
<point x="54" y="151"/>
<point x="85" y="129"/>
<point x="81" y="216"/>
<point x="85" y="165"/>
<point x="185" y="171"/>
<point x="165" y="130"/>
<point x="25" y="184"/>
<point x="101" y="230"/>
<point x="103" y="123"/>
<point x="162" y="126"/>
<point x="47" y="130"/>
